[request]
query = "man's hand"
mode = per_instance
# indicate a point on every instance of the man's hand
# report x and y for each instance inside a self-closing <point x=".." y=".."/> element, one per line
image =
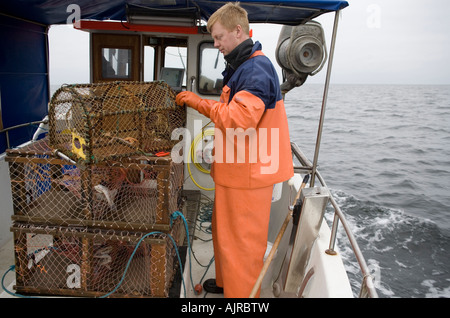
<point x="189" y="99"/>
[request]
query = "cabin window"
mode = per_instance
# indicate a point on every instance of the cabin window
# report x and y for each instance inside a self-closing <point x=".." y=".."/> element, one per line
<point x="211" y="66"/>
<point x="115" y="57"/>
<point x="161" y="54"/>
<point x="116" y="63"/>
<point x="175" y="57"/>
<point x="149" y="63"/>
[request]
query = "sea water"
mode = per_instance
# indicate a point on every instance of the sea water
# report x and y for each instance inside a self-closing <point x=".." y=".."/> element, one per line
<point x="385" y="155"/>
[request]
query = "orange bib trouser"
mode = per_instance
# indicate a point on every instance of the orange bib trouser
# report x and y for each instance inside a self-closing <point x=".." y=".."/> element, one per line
<point x="240" y="225"/>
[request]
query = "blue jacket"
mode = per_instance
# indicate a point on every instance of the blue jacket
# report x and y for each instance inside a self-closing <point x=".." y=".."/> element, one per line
<point x="251" y="146"/>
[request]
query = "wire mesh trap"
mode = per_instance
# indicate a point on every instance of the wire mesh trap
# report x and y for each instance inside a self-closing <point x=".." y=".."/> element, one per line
<point x="90" y="197"/>
<point x="134" y="193"/>
<point x="88" y="262"/>
<point x="102" y="121"/>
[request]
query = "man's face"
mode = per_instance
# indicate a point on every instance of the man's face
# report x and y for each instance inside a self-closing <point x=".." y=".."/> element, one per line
<point x="225" y="40"/>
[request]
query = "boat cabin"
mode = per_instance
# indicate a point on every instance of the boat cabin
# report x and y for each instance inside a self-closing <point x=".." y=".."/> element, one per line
<point x="145" y="40"/>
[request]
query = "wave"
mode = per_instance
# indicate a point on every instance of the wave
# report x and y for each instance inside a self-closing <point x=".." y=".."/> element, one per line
<point x="388" y="160"/>
<point x="397" y="247"/>
<point x="435" y="292"/>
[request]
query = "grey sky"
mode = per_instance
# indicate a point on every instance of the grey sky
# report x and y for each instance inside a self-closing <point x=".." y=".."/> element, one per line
<point x="394" y="41"/>
<point x="379" y="42"/>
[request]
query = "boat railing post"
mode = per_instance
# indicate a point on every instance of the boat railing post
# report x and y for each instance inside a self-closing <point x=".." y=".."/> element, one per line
<point x="367" y="285"/>
<point x="364" y="292"/>
<point x="334" y="229"/>
<point x="325" y="97"/>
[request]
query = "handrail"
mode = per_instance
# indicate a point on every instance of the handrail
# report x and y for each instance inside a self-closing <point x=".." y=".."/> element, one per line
<point x="6" y="130"/>
<point x="367" y="286"/>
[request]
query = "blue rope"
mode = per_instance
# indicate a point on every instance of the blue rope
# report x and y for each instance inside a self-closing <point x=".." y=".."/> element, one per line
<point x="11" y="268"/>
<point x="173" y="216"/>
<point x="131" y="258"/>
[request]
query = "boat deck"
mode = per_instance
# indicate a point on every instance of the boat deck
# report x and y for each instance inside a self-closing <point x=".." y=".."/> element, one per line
<point x="6" y="260"/>
<point x="199" y="264"/>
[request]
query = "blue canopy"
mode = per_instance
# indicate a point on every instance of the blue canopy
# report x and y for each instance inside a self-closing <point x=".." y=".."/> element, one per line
<point x="49" y="12"/>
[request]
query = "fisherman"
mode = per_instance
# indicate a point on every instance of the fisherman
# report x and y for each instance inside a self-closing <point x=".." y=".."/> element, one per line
<point x="250" y="106"/>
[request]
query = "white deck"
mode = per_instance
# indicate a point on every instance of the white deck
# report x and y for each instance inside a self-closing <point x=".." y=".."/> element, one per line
<point x="6" y="260"/>
<point x="329" y="280"/>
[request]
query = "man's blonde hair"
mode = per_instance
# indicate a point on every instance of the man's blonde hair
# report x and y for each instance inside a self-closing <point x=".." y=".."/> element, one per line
<point x="230" y="15"/>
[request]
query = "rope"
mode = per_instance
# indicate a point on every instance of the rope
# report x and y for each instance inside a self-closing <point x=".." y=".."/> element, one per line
<point x="208" y="132"/>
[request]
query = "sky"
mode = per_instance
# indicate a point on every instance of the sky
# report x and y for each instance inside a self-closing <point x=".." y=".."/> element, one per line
<point x="378" y="42"/>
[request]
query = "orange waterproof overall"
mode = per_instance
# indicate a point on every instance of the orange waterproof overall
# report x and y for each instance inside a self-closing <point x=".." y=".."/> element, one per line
<point x="244" y="180"/>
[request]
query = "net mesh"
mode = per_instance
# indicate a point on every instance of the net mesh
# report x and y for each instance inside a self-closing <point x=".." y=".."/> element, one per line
<point x="90" y="262"/>
<point x="94" y="122"/>
<point x="134" y="193"/>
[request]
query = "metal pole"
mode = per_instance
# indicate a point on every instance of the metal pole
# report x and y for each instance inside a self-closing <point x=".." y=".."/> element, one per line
<point x="325" y="96"/>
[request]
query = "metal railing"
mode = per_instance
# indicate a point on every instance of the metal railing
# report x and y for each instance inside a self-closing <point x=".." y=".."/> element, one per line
<point x="367" y="285"/>
<point x="6" y="130"/>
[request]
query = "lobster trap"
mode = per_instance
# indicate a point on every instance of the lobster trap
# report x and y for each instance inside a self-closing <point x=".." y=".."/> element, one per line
<point x="88" y="262"/>
<point x="135" y="193"/>
<point x="107" y="121"/>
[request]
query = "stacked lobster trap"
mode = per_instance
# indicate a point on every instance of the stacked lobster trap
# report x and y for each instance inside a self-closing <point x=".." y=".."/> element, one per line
<point x="95" y="122"/>
<point x="94" y="200"/>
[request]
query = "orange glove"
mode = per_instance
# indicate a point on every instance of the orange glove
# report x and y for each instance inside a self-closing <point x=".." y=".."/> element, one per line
<point x="188" y="98"/>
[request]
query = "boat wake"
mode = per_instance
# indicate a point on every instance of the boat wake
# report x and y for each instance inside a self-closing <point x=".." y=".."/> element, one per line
<point x="397" y="246"/>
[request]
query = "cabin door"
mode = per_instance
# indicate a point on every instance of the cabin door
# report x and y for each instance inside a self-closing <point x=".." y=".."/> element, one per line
<point x="115" y="57"/>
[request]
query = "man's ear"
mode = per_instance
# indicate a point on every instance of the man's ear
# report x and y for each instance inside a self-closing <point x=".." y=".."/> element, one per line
<point x="239" y="31"/>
